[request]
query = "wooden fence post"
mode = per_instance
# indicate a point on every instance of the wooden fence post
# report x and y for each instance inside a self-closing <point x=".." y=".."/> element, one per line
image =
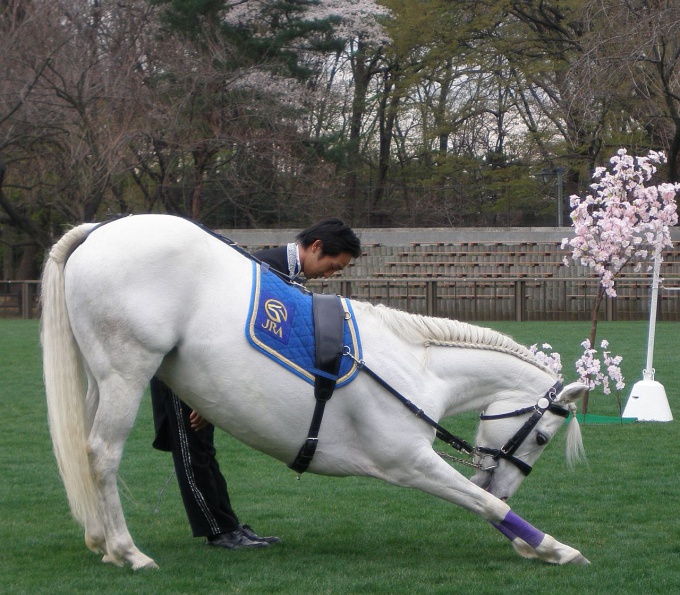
<point x="520" y="301"/>
<point x="26" y="300"/>
<point x="431" y="298"/>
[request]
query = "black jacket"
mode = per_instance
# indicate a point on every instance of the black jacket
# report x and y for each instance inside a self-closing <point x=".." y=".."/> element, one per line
<point x="276" y="258"/>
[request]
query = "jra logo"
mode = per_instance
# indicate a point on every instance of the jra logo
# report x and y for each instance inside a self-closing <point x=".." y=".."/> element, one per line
<point x="276" y="311"/>
<point x="275" y="319"/>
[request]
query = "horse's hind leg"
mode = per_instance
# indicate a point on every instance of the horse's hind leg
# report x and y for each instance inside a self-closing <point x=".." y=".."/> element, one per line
<point x="114" y="418"/>
<point x="95" y="538"/>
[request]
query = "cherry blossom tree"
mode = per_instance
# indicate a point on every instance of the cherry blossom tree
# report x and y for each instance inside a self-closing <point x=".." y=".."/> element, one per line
<point x="590" y="370"/>
<point x="623" y="221"/>
<point x="255" y="65"/>
<point x="346" y="19"/>
<point x="589" y="367"/>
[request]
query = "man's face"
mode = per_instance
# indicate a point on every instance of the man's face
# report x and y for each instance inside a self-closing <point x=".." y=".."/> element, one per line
<point x="317" y="264"/>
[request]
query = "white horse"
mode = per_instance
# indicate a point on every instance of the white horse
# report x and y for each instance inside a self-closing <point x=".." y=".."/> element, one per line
<point x="156" y="294"/>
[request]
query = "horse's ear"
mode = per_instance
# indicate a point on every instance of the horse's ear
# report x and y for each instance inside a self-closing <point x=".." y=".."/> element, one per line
<point x="572" y="393"/>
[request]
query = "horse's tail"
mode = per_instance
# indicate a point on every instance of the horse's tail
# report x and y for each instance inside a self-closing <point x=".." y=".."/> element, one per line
<point x="65" y="381"/>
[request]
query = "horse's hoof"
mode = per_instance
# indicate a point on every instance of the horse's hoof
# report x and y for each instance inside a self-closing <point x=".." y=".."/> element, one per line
<point x="150" y="565"/>
<point x="579" y="560"/>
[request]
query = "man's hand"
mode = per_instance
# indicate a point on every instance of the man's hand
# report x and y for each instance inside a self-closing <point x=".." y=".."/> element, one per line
<point x="197" y="421"/>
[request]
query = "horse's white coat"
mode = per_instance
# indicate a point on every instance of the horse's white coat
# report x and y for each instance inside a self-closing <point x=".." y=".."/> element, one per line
<point x="156" y="294"/>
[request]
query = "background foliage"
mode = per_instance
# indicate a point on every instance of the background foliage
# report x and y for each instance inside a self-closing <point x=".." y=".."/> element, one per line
<point x="267" y="114"/>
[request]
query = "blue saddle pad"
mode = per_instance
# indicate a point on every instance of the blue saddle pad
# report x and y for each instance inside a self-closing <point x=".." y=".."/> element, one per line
<point x="280" y="325"/>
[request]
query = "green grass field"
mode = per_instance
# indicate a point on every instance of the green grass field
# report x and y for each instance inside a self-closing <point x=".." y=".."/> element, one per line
<point x="356" y="535"/>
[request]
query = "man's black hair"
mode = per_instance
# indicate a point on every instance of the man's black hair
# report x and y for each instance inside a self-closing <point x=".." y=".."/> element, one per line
<point x="335" y="236"/>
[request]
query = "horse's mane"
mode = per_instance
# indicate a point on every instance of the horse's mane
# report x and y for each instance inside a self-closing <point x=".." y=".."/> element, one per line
<point x="426" y="330"/>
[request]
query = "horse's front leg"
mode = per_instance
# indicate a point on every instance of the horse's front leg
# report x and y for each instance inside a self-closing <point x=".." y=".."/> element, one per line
<point x="428" y="472"/>
<point x="529" y="542"/>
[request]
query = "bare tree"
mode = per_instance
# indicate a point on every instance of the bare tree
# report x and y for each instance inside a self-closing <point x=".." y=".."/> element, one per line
<point x="72" y="85"/>
<point x="633" y="53"/>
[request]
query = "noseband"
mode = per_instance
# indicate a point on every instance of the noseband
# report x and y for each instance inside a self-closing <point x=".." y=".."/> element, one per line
<point x="507" y="451"/>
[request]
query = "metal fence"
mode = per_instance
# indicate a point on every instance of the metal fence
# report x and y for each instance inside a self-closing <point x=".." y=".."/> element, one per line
<point x="469" y="299"/>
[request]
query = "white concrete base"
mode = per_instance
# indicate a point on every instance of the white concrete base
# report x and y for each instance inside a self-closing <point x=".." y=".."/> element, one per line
<point x="648" y="402"/>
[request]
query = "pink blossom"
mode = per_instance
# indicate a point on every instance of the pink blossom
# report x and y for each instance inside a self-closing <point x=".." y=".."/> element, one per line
<point x="351" y="18"/>
<point x="550" y="360"/>
<point x="622" y="220"/>
<point x="589" y="368"/>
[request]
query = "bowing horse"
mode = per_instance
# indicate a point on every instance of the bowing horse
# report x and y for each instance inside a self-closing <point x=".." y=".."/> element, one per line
<point x="159" y="295"/>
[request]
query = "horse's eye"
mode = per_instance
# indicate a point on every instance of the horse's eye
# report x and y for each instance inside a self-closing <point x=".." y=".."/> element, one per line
<point x="541" y="439"/>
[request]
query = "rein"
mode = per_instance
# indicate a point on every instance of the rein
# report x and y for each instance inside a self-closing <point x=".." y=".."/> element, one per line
<point x="507" y="451"/>
<point x="442" y="433"/>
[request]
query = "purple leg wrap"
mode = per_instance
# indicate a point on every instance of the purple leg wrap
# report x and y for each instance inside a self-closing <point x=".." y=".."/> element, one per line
<point x="513" y="524"/>
<point x="509" y="534"/>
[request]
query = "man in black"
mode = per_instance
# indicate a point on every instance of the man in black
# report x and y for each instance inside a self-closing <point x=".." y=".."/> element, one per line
<point x="319" y="251"/>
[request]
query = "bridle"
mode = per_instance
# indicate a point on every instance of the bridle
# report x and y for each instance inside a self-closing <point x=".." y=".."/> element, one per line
<point x="507" y="451"/>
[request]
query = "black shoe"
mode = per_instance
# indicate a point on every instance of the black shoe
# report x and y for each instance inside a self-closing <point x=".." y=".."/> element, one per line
<point x="234" y="540"/>
<point x="250" y="534"/>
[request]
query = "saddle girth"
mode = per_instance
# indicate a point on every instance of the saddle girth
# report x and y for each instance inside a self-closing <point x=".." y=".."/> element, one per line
<point x="329" y="317"/>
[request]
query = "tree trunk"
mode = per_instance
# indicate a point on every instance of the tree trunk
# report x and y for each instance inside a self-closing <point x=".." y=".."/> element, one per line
<point x="361" y="78"/>
<point x="593" y="333"/>
<point x="386" y="118"/>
